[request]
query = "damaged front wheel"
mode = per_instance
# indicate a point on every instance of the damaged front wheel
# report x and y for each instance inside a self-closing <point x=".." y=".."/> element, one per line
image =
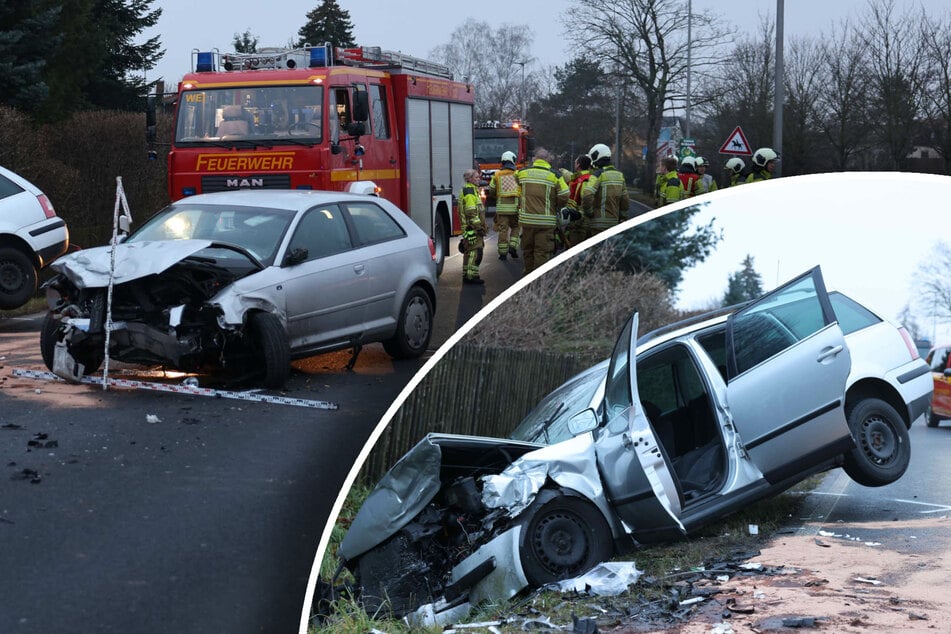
<point x="563" y="536"/>
<point x="51" y="332"/>
<point x="272" y="349"/>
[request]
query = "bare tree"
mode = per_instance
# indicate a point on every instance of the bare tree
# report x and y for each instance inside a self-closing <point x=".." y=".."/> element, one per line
<point x="647" y="41"/>
<point x="894" y="53"/>
<point x="936" y="35"/>
<point x="805" y="82"/>
<point x="933" y="284"/>
<point x="844" y="102"/>
<point x="492" y="60"/>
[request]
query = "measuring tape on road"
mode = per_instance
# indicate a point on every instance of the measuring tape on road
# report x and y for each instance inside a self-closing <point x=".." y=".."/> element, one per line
<point x="182" y="389"/>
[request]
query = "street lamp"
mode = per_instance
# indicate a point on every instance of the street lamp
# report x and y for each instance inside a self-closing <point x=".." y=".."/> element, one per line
<point x="521" y="91"/>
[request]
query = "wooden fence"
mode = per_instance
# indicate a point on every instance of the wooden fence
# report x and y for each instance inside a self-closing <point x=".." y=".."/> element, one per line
<point x="474" y="391"/>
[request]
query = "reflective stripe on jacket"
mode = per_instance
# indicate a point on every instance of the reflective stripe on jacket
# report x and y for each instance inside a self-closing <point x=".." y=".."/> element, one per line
<point x="605" y="198"/>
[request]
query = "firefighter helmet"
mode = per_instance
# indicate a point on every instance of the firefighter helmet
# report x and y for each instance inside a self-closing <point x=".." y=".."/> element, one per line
<point x="763" y="156"/>
<point x="508" y="157"/>
<point x="736" y="164"/>
<point x="700" y="162"/>
<point x="599" y="151"/>
<point x="689" y="163"/>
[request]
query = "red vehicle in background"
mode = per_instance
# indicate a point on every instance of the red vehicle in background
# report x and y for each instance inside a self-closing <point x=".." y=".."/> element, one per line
<point x="940" y="361"/>
<point x="492" y="138"/>
<point x="361" y="119"/>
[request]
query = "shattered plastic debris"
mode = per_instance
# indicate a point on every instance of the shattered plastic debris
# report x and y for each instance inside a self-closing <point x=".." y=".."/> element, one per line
<point x="722" y="628"/>
<point x="607" y="579"/>
<point x="874" y="582"/>
<point x="690" y="601"/>
<point x="754" y="529"/>
<point x="152" y="418"/>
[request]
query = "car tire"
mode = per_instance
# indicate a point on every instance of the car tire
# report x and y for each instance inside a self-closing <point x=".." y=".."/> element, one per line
<point x="441" y="243"/>
<point x="930" y="419"/>
<point x="18" y="277"/>
<point x="414" y="328"/>
<point x="50" y="335"/>
<point x="271" y="349"/>
<point x="883" y="449"/>
<point x="563" y="536"/>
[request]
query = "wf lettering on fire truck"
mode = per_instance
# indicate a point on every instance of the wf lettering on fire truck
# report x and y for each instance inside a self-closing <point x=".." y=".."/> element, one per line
<point x="359" y="119"/>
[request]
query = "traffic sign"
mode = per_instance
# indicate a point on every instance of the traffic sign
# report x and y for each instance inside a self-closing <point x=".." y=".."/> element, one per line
<point x="736" y="144"/>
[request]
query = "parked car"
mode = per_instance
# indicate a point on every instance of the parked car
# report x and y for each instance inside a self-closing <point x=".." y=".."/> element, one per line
<point x="246" y="280"/>
<point x="31" y="236"/>
<point x="716" y="413"/>
<point x="939" y="360"/>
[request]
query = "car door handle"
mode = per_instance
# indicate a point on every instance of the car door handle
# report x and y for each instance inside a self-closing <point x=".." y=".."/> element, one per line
<point x="359" y="268"/>
<point x="828" y="353"/>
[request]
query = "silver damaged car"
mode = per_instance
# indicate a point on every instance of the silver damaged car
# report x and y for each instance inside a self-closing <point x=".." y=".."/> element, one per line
<point x="245" y="281"/>
<point x="716" y="413"/>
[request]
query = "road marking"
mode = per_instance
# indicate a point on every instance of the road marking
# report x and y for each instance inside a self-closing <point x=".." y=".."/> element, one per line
<point x="183" y="389"/>
<point x="938" y="508"/>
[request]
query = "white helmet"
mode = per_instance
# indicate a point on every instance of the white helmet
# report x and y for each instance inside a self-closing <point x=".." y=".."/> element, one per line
<point x="700" y="162"/>
<point x="599" y="151"/>
<point x="508" y="157"/>
<point x="689" y="161"/>
<point x="763" y="156"/>
<point x="736" y="164"/>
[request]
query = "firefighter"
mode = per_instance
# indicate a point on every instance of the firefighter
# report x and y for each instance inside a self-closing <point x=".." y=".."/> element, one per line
<point x="734" y="169"/>
<point x="578" y="228"/>
<point x="764" y="163"/>
<point x="604" y="199"/>
<point x="707" y="182"/>
<point x="504" y="189"/>
<point x="670" y="189"/>
<point x="472" y="217"/>
<point x="543" y="193"/>
<point x="689" y="176"/>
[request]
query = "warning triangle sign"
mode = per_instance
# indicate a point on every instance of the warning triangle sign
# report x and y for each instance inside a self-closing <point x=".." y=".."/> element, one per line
<point x="736" y="144"/>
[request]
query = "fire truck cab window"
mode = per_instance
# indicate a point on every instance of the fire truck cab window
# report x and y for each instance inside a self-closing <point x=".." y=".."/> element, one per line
<point x="341" y="106"/>
<point x="380" y="112"/>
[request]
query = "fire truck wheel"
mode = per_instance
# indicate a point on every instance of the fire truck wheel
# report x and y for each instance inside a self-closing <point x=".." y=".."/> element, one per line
<point x="441" y="241"/>
<point x="415" y="326"/>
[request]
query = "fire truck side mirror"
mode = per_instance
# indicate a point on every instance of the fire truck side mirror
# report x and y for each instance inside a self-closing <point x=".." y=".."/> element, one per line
<point x="357" y="129"/>
<point x="335" y="148"/>
<point x="361" y="105"/>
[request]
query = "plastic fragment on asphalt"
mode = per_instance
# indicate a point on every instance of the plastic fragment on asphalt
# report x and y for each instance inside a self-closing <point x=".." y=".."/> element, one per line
<point x="723" y="578"/>
<point x="690" y="601"/>
<point x="874" y="582"/>
<point x="152" y="418"/>
<point x="584" y="625"/>
<point x="800" y="621"/>
<point x="722" y="628"/>
<point x="607" y="579"/>
<point x="752" y="566"/>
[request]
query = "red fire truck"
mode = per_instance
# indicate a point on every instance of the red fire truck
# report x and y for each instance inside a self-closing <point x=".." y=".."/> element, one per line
<point x="358" y="119"/>
<point x="492" y="138"/>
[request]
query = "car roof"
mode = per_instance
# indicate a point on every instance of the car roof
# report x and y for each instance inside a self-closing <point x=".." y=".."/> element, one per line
<point x="297" y="199"/>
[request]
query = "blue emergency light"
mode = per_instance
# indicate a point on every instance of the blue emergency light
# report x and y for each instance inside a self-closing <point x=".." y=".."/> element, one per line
<point x="320" y="56"/>
<point x="206" y="62"/>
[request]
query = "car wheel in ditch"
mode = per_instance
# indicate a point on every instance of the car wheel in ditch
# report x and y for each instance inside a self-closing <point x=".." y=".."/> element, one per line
<point x="930" y="419"/>
<point x="17" y="278"/>
<point x="562" y="537"/>
<point x="414" y="328"/>
<point x="271" y="349"/>
<point x="883" y="450"/>
<point x="51" y="333"/>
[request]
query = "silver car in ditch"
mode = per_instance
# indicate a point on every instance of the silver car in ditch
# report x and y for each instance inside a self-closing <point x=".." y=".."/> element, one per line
<point x="716" y="413"/>
<point x="246" y="281"/>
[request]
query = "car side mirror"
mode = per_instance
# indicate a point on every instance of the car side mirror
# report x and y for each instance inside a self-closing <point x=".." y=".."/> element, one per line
<point x="581" y="422"/>
<point x="296" y="256"/>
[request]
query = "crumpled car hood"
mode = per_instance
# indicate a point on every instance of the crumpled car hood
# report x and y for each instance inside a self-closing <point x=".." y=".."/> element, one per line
<point x="408" y="487"/>
<point x="89" y="268"/>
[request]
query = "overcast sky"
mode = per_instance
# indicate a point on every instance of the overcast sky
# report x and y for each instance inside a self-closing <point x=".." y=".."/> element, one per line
<point x="417" y="26"/>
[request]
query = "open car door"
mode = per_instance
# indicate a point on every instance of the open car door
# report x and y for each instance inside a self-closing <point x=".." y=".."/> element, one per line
<point x="638" y="480"/>
<point x="787" y="365"/>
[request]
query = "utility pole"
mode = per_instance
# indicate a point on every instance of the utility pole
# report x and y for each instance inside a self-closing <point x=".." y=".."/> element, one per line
<point x="521" y="91"/>
<point x="689" y="48"/>
<point x="778" y="89"/>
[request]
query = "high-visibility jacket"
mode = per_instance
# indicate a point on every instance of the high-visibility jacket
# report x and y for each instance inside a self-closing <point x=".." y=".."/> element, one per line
<point x="759" y="175"/>
<point x="671" y="188"/>
<point x="543" y="193"/>
<point x="504" y="188"/>
<point x="471" y="210"/>
<point x="605" y="199"/>
<point x="691" y="183"/>
<point x="707" y="184"/>
<point x="736" y="179"/>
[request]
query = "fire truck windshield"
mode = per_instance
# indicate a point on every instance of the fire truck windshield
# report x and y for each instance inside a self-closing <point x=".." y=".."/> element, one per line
<point x="273" y="114"/>
<point x="490" y="149"/>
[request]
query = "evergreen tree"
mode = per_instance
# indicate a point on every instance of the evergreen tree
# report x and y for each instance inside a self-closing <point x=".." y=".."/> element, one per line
<point x="327" y="23"/>
<point x="744" y="285"/>
<point x="24" y="47"/>
<point x="245" y="42"/>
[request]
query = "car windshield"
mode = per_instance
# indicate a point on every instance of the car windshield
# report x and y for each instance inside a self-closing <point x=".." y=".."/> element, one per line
<point x="547" y="423"/>
<point x="260" y="230"/>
